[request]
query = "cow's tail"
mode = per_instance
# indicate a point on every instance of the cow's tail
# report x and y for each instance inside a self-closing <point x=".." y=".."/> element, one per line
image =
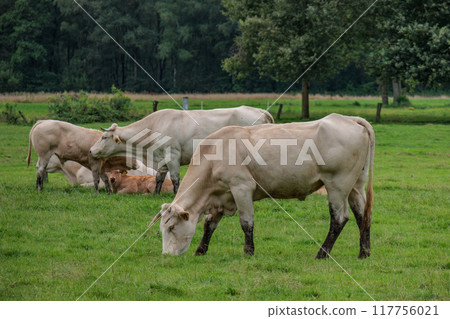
<point x="268" y="116"/>
<point x="369" y="190"/>
<point x="30" y="143"/>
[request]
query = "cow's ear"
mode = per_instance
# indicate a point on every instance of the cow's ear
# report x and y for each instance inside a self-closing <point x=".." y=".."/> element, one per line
<point x="184" y="215"/>
<point x="117" y="139"/>
<point x="123" y="172"/>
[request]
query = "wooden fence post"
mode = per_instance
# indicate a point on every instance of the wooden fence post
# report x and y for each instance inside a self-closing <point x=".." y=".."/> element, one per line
<point x="155" y="106"/>
<point x="379" y="105"/>
<point x="279" y="111"/>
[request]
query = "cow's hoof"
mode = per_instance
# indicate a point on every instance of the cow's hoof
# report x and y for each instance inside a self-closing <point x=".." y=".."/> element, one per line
<point x="321" y="255"/>
<point x="249" y="251"/>
<point x="200" y="252"/>
<point x="363" y="254"/>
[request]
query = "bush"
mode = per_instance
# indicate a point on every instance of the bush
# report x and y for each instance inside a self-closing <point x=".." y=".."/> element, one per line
<point x="11" y="116"/>
<point x="79" y="108"/>
<point x="403" y="100"/>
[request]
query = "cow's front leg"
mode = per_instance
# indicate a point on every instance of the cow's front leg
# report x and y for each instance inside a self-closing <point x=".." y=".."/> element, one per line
<point x="105" y="179"/>
<point x="175" y="177"/>
<point x="160" y="177"/>
<point x="96" y="179"/>
<point x="46" y="176"/>
<point x="243" y="197"/>
<point x="211" y="222"/>
<point x="247" y="227"/>
<point x="174" y="169"/>
<point x="95" y="166"/>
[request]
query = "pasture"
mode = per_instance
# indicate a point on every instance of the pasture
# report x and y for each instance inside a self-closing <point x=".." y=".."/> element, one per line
<point x="55" y="243"/>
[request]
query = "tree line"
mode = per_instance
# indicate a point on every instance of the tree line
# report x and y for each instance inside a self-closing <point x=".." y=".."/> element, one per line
<point x="224" y="46"/>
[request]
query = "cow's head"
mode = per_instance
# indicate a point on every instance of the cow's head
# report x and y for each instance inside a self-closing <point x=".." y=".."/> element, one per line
<point x="109" y="144"/>
<point x="115" y="176"/>
<point x="177" y="229"/>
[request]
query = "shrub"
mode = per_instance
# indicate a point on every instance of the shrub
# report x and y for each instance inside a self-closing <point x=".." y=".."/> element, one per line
<point x="11" y="116"/>
<point x="403" y="100"/>
<point x="79" y="108"/>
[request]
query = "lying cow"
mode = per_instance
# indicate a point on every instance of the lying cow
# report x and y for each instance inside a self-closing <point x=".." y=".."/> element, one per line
<point x="172" y="131"/>
<point x="77" y="174"/>
<point x="282" y="167"/>
<point x="74" y="172"/>
<point x="124" y="184"/>
<point x="69" y="142"/>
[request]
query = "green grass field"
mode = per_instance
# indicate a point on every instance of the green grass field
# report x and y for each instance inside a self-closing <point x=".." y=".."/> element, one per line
<point x="55" y="243"/>
<point x="422" y="110"/>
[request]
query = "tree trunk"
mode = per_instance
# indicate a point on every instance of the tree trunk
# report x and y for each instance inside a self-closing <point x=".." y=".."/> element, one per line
<point x="305" y="99"/>
<point x="396" y="89"/>
<point x="174" y="77"/>
<point x="384" y="88"/>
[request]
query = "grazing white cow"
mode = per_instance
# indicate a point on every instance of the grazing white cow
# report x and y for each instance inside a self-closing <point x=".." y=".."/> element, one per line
<point x="173" y="131"/>
<point x="291" y="161"/>
<point x="69" y="142"/>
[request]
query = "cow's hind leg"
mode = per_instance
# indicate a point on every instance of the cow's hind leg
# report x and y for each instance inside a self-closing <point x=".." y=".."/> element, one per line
<point x="243" y="197"/>
<point x="339" y="216"/>
<point x="357" y="200"/>
<point x="211" y="222"/>
<point x="41" y="169"/>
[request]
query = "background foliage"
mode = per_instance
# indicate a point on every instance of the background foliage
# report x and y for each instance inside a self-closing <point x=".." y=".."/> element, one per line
<point x="52" y="45"/>
<point x="80" y="108"/>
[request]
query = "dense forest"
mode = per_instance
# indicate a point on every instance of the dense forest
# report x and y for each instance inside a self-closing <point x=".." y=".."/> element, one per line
<point x="221" y="46"/>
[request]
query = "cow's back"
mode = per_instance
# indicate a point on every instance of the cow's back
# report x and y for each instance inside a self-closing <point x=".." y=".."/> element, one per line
<point x="68" y="141"/>
<point x="183" y="127"/>
<point x="337" y="141"/>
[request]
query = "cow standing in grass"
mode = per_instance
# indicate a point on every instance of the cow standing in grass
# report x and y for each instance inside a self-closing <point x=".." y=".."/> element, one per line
<point x="175" y="130"/>
<point x="343" y="151"/>
<point x="69" y="142"/>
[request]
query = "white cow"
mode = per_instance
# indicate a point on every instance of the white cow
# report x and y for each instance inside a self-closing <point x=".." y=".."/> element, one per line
<point x="172" y="132"/>
<point x="74" y="172"/>
<point x="278" y="161"/>
<point x="69" y="142"/>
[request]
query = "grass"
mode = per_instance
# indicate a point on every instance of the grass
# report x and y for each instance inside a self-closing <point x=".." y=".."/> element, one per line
<point x="55" y="243"/>
<point x="422" y="110"/>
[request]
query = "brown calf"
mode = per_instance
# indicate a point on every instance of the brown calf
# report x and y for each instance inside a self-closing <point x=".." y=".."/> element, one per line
<point x="124" y="184"/>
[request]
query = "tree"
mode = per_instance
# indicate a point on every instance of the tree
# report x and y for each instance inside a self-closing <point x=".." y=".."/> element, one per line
<point x="29" y="45"/>
<point x="409" y="42"/>
<point x="282" y="39"/>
